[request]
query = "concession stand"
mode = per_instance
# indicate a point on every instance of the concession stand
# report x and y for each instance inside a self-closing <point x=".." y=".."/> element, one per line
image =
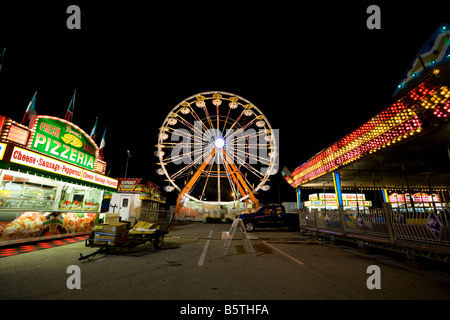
<point x="132" y="197"/>
<point x="52" y="180"/>
<point x="328" y="201"/>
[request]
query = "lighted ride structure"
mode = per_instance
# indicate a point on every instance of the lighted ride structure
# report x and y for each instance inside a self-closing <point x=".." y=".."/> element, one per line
<point x="216" y="148"/>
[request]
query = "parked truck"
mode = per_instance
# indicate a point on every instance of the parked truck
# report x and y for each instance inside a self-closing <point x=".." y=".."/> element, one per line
<point x="272" y="216"/>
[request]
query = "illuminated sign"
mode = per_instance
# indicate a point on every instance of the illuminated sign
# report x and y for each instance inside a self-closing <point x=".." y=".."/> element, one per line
<point x="352" y="196"/>
<point x="417" y="197"/>
<point x="38" y="161"/>
<point x="351" y="203"/>
<point x="63" y="140"/>
<point x="99" y="179"/>
<point x="100" y="166"/>
<point x="128" y="184"/>
<point x="327" y="196"/>
<point x="17" y="134"/>
<point x="365" y="203"/>
<point x="41" y="162"/>
<point x="313" y="197"/>
<point x="2" y="150"/>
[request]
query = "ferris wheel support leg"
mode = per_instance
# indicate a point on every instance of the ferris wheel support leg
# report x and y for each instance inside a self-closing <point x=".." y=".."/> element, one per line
<point x="244" y="189"/>
<point x="192" y="181"/>
<point x="235" y="179"/>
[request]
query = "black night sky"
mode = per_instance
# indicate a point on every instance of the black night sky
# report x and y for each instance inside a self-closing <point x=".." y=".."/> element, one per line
<point x="315" y="70"/>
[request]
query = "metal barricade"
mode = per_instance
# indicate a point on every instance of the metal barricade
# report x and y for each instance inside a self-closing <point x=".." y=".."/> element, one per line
<point x="308" y="219"/>
<point x="414" y="225"/>
<point x="370" y="222"/>
<point x="420" y="225"/>
<point x="328" y="221"/>
<point x="423" y="233"/>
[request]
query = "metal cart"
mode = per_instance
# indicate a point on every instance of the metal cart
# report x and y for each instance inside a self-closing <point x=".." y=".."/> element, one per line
<point x="152" y="225"/>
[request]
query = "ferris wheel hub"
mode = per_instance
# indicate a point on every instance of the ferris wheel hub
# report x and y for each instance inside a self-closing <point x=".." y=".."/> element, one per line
<point x="219" y="143"/>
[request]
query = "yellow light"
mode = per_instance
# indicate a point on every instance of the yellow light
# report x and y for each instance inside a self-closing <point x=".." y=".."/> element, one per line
<point x="436" y="71"/>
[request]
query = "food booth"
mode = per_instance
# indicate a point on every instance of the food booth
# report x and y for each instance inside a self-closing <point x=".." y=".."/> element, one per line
<point x="52" y="180"/>
<point x="132" y="197"/>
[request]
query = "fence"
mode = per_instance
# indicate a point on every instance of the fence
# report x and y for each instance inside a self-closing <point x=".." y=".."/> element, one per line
<point x="418" y="225"/>
<point x="415" y="226"/>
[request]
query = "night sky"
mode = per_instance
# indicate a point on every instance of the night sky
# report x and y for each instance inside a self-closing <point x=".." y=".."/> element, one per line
<point x="316" y="71"/>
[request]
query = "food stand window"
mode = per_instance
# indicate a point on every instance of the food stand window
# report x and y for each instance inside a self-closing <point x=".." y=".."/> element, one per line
<point x="26" y="192"/>
<point x="93" y="199"/>
<point x="80" y="198"/>
<point x="33" y="207"/>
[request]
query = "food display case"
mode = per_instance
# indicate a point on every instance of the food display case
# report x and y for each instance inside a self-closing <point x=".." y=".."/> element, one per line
<point x="18" y="191"/>
<point x="33" y="207"/>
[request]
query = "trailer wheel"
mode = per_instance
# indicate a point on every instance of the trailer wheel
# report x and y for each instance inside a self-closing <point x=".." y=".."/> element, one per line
<point x="158" y="241"/>
<point x="90" y="239"/>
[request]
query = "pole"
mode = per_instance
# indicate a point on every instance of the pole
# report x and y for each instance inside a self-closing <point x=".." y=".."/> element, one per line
<point x="126" y="167"/>
<point x="410" y="194"/>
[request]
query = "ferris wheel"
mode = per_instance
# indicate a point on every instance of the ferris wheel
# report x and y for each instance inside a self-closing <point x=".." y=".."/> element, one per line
<point x="217" y="147"/>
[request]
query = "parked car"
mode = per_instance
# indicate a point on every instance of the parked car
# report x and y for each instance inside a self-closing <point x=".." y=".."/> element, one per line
<point x="272" y="216"/>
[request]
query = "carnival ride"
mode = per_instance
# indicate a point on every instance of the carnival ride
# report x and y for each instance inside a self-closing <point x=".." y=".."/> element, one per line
<point x="216" y="148"/>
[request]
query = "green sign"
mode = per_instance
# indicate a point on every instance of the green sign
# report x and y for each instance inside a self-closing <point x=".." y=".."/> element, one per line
<point x="65" y="141"/>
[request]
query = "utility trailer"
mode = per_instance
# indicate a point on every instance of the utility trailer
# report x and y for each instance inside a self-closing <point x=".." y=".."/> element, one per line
<point x="152" y="226"/>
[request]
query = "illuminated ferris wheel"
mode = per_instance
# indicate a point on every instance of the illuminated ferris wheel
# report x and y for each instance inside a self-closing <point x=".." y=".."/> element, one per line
<point x="217" y="147"/>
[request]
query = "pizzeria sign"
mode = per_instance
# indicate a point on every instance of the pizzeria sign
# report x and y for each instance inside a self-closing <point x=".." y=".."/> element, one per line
<point x="63" y="140"/>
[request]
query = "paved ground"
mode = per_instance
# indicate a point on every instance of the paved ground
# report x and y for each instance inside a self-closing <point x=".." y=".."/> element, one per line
<point x="192" y="266"/>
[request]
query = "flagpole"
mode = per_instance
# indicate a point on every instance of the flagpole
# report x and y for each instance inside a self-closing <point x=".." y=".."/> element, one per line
<point x="29" y="108"/>
<point x="94" y="130"/>
<point x="1" y="59"/>
<point x="73" y="103"/>
<point x="70" y="108"/>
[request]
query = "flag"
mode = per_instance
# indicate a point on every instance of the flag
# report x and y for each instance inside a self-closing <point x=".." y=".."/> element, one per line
<point x="102" y="145"/>
<point x="30" y="113"/>
<point x="69" y="112"/>
<point x="94" y="129"/>
<point x="1" y="59"/>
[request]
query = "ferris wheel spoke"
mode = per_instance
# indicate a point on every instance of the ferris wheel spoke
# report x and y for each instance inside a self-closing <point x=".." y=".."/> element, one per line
<point x="236" y="121"/>
<point x="197" y="118"/>
<point x="194" y="155"/>
<point x="226" y="120"/>
<point x="249" y="168"/>
<point x="175" y="158"/>
<point x="255" y="157"/>
<point x="187" y="138"/>
<point x="255" y="134"/>
<point x="240" y="160"/>
<point x="241" y="130"/>
<point x="197" y="132"/>
<point x="181" y="171"/>
<point x="205" y="110"/>
<point x="242" y="154"/>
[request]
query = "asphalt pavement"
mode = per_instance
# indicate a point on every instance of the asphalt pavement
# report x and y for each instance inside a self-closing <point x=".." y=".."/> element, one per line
<point x="192" y="265"/>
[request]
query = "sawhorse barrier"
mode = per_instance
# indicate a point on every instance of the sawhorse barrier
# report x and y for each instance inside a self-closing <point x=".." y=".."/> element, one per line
<point x="228" y="236"/>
